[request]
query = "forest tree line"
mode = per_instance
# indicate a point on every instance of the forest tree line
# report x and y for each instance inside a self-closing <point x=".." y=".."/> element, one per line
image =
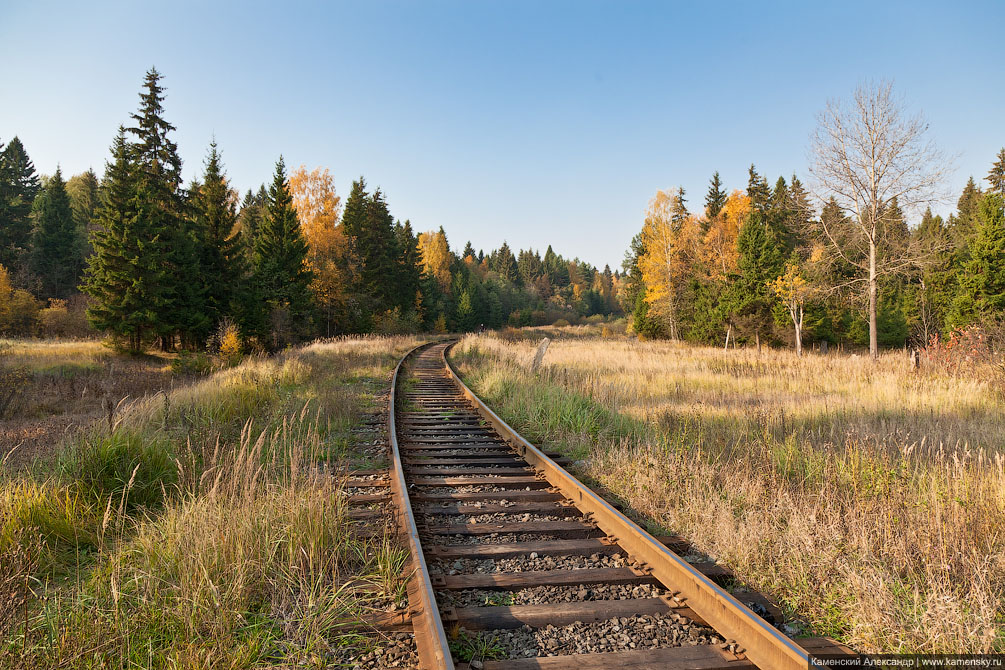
<point x="763" y="264"/>
<point x="155" y="262"/>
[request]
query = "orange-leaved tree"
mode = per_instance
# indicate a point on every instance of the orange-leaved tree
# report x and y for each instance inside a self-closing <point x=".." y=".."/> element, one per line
<point x="319" y="209"/>
<point x="719" y="252"/>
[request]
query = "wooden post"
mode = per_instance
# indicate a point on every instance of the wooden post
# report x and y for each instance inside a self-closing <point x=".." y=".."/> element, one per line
<point x="539" y="356"/>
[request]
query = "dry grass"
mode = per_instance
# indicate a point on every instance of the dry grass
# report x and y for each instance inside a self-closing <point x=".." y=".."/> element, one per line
<point x="241" y="553"/>
<point x="868" y="499"/>
<point x="49" y="388"/>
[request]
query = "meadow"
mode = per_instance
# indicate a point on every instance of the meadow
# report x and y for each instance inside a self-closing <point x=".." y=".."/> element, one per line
<point x="206" y="525"/>
<point x="867" y="498"/>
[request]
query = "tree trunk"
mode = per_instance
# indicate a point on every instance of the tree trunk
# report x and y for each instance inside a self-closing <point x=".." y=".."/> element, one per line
<point x="873" y="294"/>
<point x="729" y="330"/>
<point x="799" y="333"/>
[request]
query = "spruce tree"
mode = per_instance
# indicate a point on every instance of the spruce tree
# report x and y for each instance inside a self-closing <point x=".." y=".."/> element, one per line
<point x="281" y="277"/>
<point x="18" y="187"/>
<point x="996" y="176"/>
<point x="369" y="226"/>
<point x="250" y="217"/>
<point x="55" y="258"/>
<point x="982" y="282"/>
<point x="85" y="199"/>
<point x="124" y="277"/>
<point x="221" y="265"/>
<point x="715" y="198"/>
<point x="468" y="251"/>
<point x="757" y="190"/>
<point x="166" y="228"/>
<point x="409" y="269"/>
<point x="505" y="263"/>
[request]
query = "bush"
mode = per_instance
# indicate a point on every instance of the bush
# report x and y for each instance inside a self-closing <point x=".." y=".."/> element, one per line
<point x="561" y="323"/>
<point x="189" y="363"/>
<point x="226" y="343"/>
<point x="65" y="318"/>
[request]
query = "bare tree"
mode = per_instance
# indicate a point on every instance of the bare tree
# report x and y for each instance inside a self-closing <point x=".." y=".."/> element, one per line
<point x="870" y="156"/>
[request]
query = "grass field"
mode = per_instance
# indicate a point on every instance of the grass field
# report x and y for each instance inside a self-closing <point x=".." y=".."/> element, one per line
<point x="867" y="498"/>
<point x="206" y="529"/>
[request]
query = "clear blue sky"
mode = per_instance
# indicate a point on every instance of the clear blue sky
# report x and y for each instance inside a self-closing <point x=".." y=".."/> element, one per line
<point x="535" y="122"/>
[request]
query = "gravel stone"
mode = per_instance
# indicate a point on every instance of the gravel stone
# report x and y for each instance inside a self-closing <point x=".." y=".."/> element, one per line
<point x="616" y="634"/>
<point x="395" y="650"/>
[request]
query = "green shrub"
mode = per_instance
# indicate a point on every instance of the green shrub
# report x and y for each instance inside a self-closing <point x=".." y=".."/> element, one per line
<point x="188" y="363"/>
<point x="141" y="466"/>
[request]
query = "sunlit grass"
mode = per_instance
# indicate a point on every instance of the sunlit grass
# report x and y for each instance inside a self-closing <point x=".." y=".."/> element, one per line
<point x="868" y="498"/>
<point x="198" y="528"/>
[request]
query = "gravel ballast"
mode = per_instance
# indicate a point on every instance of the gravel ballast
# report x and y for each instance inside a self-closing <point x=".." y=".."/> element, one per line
<point x="617" y="634"/>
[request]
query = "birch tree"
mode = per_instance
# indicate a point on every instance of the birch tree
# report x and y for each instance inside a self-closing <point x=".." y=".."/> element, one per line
<point x="670" y="239"/>
<point x="870" y="155"/>
<point x="793" y="290"/>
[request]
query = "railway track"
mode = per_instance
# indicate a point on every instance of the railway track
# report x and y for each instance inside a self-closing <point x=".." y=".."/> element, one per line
<point x="518" y="566"/>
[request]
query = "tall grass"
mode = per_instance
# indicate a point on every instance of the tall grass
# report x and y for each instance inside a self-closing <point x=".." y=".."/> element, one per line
<point x="868" y="499"/>
<point x="198" y="530"/>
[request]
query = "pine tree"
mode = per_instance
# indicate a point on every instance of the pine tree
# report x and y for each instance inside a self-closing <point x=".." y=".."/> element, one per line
<point x="281" y="277"/>
<point x="55" y="257"/>
<point x="996" y="176"/>
<point x="468" y="251"/>
<point x="18" y="187"/>
<point x="124" y="277"/>
<point x="221" y="264"/>
<point x="715" y="198"/>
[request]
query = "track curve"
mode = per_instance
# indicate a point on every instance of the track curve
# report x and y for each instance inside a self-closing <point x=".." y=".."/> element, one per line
<point x="518" y="565"/>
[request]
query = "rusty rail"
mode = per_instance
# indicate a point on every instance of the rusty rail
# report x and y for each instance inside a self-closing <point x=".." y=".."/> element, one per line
<point x="430" y="637"/>
<point x="764" y="645"/>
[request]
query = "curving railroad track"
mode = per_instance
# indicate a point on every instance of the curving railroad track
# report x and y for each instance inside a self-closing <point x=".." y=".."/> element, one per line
<point x="517" y="565"/>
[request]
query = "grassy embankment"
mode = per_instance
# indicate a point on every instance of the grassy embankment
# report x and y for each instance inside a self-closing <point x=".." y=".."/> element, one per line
<point x="208" y="529"/>
<point x="868" y="499"/>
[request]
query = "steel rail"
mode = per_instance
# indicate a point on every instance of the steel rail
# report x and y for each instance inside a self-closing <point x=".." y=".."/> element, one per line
<point x="430" y="637"/>
<point x="761" y="642"/>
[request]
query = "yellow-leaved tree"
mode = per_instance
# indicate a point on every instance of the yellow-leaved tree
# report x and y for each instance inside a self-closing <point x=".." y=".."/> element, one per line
<point x="670" y="237"/>
<point x="718" y="250"/>
<point x="794" y="290"/>
<point x="436" y="257"/>
<point x="319" y="209"/>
